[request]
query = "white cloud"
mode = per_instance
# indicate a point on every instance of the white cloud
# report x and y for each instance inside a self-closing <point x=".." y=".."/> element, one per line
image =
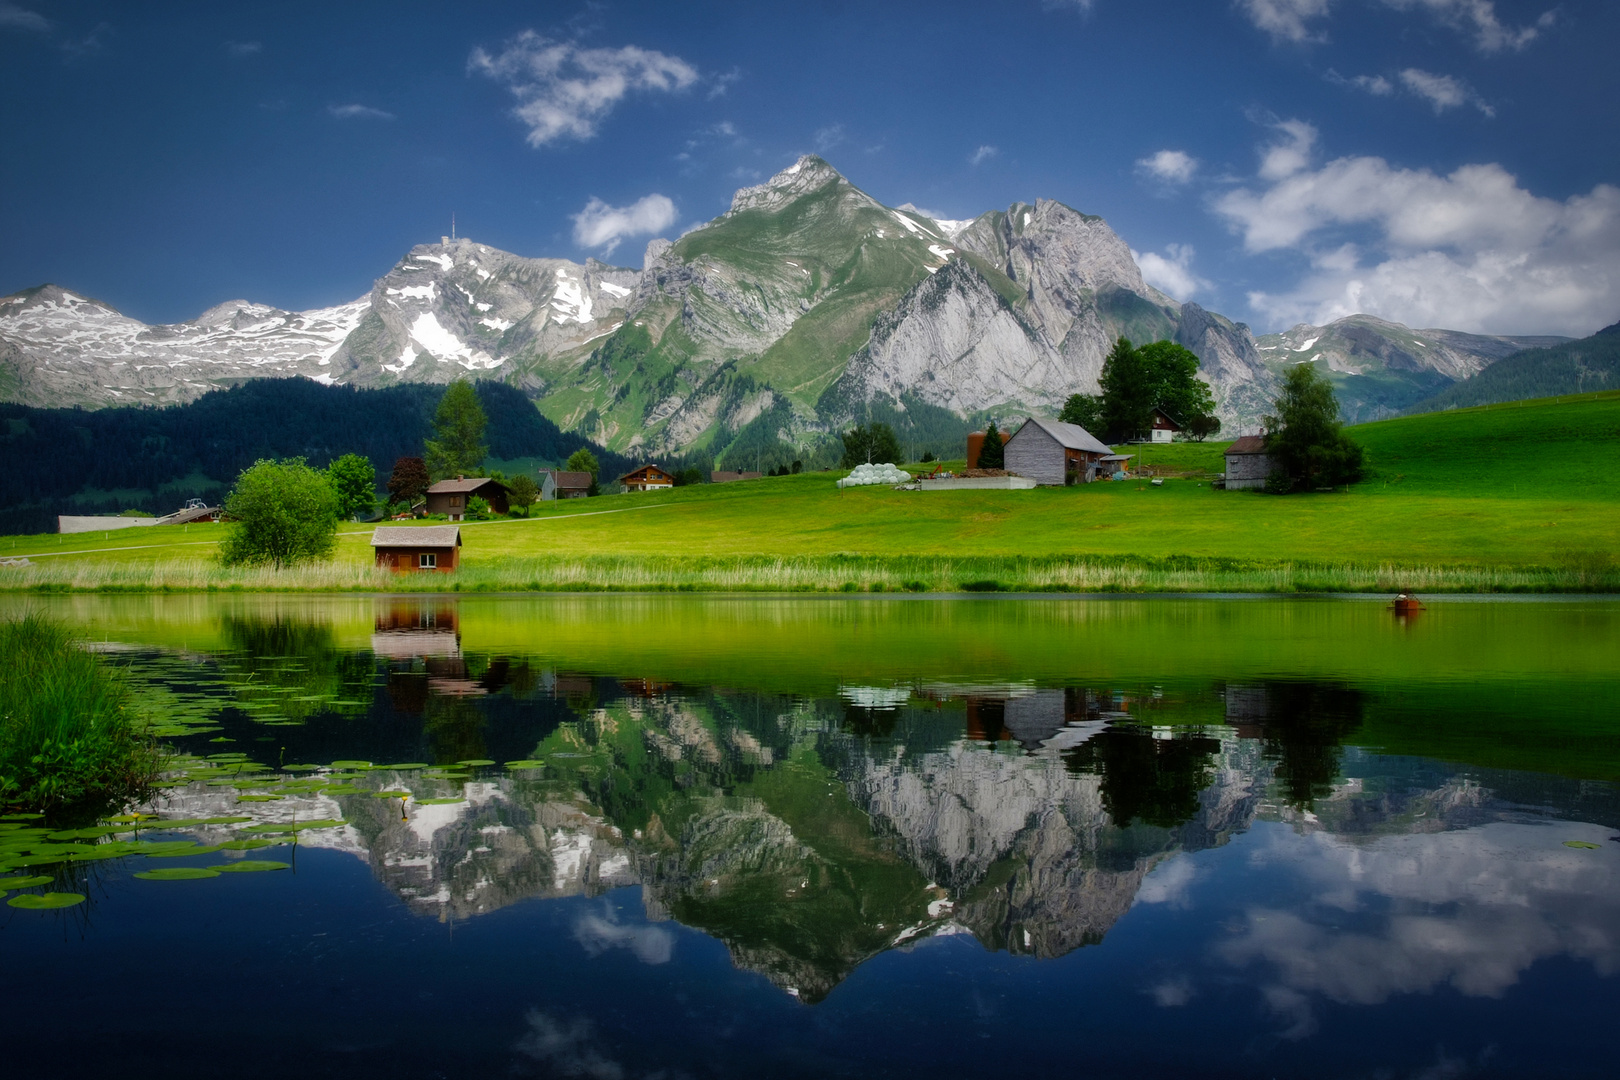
<point x="567" y="1048"/>
<point x="1471" y="250"/>
<point x="1443" y="91"/>
<point x="722" y="82"/>
<point x="602" y="226"/>
<point x="358" y="112"/>
<point x="1289" y="155"/>
<point x="13" y="17"/>
<point x="828" y="137"/>
<point x="244" y="48"/>
<point x="1285" y="20"/>
<point x="1081" y="6"/>
<point x="1479" y="18"/>
<point x="982" y="155"/>
<point x="1376" y="85"/>
<point x="1171" y="273"/>
<point x="599" y="933"/>
<point x="1171" y="166"/>
<point x="566" y="91"/>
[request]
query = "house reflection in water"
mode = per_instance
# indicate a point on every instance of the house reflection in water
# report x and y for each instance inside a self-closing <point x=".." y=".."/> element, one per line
<point x="421" y="640"/>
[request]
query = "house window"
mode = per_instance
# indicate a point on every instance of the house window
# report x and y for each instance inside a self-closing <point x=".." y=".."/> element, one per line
<point x="455" y="500"/>
<point x="428" y="560"/>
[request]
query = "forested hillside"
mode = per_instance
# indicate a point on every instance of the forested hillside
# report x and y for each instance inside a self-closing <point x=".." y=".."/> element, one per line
<point x="1575" y="367"/>
<point x="77" y="461"/>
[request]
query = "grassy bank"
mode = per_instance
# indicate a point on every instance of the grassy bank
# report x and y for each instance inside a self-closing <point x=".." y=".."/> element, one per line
<point x="68" y="734"/>
<point x="1518" y="499"/>
<point x="834" y="573"/>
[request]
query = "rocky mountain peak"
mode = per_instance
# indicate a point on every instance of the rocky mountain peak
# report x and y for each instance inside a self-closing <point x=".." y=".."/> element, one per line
<point x="809" y="173"/>
<point x="45" y="297"/>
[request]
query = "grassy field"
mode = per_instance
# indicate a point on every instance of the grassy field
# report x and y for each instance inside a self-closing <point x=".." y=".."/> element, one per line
<point x="1491" y="499"/>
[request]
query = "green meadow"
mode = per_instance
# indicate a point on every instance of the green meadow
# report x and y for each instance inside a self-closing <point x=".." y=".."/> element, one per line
<point x="1504" y="498"/>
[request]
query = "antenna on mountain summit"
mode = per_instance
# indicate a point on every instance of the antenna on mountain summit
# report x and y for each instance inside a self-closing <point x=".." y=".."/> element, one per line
<point x="452" y="224"/>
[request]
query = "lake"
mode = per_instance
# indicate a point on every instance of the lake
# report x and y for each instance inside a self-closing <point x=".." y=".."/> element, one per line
<point x="666" y="836"/>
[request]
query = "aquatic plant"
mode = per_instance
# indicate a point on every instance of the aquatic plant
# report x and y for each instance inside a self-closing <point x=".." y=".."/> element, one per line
<point x="68" y="731"/>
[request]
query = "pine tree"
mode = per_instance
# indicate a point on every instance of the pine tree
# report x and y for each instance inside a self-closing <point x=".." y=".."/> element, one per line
<point x="992" y="455"/>
<point x="457" y="448"/>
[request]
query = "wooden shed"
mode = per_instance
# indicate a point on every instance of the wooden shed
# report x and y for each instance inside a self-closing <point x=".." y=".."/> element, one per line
<point x="1247" y="463"/>
<point x="449" y="497"/>
<point x="647" y="478"/>
<point x="1051" y="452"/>
<point x="563" y="484"/>
<point x="723" y="476"/>
<point x="410" y="548"/>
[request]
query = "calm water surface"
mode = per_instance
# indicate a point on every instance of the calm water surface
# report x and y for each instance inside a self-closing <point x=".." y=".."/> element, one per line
<point x="827" y="837"/>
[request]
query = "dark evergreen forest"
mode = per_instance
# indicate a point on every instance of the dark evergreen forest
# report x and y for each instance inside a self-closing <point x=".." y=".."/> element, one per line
<point x="1575" y="367"/>
<point x="82" y="461"/>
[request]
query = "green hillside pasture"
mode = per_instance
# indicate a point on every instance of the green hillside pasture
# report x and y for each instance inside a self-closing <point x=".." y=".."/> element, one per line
<point x="1500" y="499"/>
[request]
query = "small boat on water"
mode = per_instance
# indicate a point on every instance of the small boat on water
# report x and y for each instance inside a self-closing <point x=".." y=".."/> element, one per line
<point x="1406" y="604"/>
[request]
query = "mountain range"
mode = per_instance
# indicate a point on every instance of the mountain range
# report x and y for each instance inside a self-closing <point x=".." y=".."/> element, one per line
<point x="806" y="306"/>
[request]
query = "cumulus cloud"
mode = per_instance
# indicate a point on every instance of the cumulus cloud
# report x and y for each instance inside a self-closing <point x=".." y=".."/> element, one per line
<point x="358" y="112"/>
<point x="1171" y="273"/>
<point x="1376" y="85"/>
<point x="1443" y="91"/>
<point x="1479" y="18"/>
<point x="602" y="226"/>
<point x="1170" y="166"/>
<point x="1285" y="20"/>
<point x="13" y="17"/>
<point x="1289" y="154"/>
<point x="566" y="91"/>
<point x="982" y="155"/>
<point x="1471" y="250"/>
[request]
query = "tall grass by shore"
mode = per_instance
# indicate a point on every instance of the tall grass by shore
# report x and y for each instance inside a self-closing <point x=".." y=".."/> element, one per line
<point x="68" y="733"/>
<point x="828" y="573"/>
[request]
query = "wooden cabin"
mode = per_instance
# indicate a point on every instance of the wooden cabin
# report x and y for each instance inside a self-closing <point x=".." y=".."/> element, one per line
<point x="410" y="548"/>
<point x="563" y="484"/>
<point x="449" y="497"/>
<point x="647" y="478"/>
<point x="1247" y="463"/>
<point x="722" y="476"/>
<point x="1054" y="453"/>
<point x="1164" y="426"/>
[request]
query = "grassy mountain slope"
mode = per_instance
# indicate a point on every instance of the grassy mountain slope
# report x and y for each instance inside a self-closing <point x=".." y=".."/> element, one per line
<point x="1574" y="367"/>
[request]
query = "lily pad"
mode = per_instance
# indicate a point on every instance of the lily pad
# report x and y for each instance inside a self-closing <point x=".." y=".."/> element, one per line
<point x="473" y="763"/>
<point x="351" y="764"/>
<point x="1582" y="844"/>
<point x="258" y="798"/>
<point x="247" y="866"/>
<point x="390" y="794"/>
<point x="438" y="802"/>
<point x="178" y="873"/>
<point x="229" y="819"/>
<point x="21" y="817"/>
<point x="525" y="764"/>
<point x="408" y="765"/>
<point x="46" y="901"/>
<point x="25" y="882"/>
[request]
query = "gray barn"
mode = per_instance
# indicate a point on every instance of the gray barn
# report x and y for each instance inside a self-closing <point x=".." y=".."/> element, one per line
<point x="1048" y="451"/>
<point x="1247" y="463"/>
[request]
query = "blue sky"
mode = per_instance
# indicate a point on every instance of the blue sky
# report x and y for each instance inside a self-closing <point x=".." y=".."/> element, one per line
<point x="1439" y="162"/>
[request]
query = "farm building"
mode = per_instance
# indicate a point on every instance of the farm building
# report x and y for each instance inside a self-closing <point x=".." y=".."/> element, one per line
<point x="1164" y="426"/>
<point x="647" y="478"/>
<point x="1051" y="452"/>
<point x="450" y="497"/>
<point x="1247" y="463"/>
<point x="409" y="548"/>
<point x="721" y="476"/>
<point x="563" y="484"/>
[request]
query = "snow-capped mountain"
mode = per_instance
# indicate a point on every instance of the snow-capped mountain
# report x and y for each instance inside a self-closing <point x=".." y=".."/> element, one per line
<point x="798" y="309"/>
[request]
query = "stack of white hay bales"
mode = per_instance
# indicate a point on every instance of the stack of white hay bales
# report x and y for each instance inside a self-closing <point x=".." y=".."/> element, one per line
<point x="875" y="474"/>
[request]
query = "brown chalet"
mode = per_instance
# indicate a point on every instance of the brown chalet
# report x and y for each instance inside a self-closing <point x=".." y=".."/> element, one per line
<point x="409" y="548"/>
<point x="563" y="484"/>
<point x="647" y="478"/>
<point x="723" y="476"/>
<point x="449" y="497"/>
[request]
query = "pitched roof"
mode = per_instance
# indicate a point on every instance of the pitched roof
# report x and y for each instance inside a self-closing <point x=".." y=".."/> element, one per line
<point x="648" y="469"/>
<point x="1070" y="436"/>
<point x="1249" y="444"/>
<point x="472" y="483"/>
<point x="416" y="536"/>
<point x="566" y="479"/>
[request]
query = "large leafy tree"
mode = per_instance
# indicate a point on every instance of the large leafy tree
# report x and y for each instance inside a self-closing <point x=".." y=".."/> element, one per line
<point x="1174" y="385"/>
<point x="582" y="460"/>
<point x="354" y="482"/>
<point x="1083" y="410"/>
<point x="409" y="480"/>
<point x="457" y="447"/>
<point x="286" y="513"/>
<point x="1134" y="381"/>
<point x="872" y="443"/>
<point x="1305" y="437"/>
<point x="524" y="492"/>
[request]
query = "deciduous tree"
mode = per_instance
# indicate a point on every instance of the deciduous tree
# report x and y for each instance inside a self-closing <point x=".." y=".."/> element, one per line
<point x="1083" y="410"/>
<point x="409" y="481"/>
<point x="285" y="512"/>
<point x="1305" y="436"/>
<point x="582" y="460"/>
<point x="876" y="443"/>
<point x="354" y="482"/>
<point x="524" y="492"/>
